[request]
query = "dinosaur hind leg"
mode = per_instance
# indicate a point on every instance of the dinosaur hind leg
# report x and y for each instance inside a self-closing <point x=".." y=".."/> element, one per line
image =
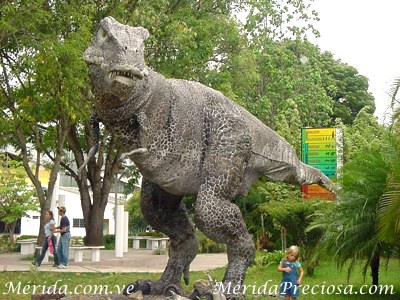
<point x="222" y="221"/>
<point x="215" y="215"/>
<point x="166" y="213"/>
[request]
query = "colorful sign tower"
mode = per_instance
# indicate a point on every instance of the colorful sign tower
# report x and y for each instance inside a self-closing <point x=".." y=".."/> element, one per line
<point x="322" y="148"/>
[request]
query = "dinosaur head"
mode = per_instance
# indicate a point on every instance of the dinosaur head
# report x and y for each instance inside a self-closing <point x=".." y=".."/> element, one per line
<point x="116" y="57"/>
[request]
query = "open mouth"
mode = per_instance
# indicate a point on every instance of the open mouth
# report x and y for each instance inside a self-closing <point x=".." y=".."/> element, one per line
<point x="125" y="74"/>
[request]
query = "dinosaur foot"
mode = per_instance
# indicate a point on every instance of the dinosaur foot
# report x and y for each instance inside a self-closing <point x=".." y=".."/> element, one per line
<point x="151" y="287"/>
<point x="204" y="289"/>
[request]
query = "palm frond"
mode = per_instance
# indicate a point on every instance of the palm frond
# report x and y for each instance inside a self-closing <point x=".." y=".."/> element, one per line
<point x="394" y="89"/>
<point x="389" y="204"/>
<point x="350" y="227"/>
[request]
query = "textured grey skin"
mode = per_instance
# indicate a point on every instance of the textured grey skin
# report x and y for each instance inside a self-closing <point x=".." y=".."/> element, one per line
<point x="186" y="139"/>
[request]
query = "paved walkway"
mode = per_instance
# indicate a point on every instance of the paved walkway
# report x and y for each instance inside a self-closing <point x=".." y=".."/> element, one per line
<point x="132" y="261"/>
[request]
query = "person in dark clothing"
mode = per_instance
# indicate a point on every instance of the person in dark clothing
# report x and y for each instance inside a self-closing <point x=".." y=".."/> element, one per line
<point x="63" y="244"/>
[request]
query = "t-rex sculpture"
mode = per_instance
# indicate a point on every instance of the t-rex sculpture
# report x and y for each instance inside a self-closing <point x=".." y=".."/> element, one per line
<point x="186" y="139"/>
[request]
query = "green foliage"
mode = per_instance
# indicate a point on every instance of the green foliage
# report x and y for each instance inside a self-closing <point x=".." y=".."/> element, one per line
<point x="109" y="241"/>
<point x="347" y="87"/>
<point x="279" y="20"/>
<point x="131" y="172"/>
<point x="16" y="198"/>
<point x="151" y="233"/>
<point x="6" y="246"/>
<point x="289" y="126"/>
<point x="207" y="245"/>
<point x="261" y="195"/>
<point x="137" y="223"/>
<point x="365" y="131"/>
<point x="350" y="226"/>
<point x="269" y="258"/>
<point x="295" y="216"/>
<point x="26" y="237"/>
<point x="77" y="241"/>
<point x="160" y="251"/>
<point x="389" y="206"/>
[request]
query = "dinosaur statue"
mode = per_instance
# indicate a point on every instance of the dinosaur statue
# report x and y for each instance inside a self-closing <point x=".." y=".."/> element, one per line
<point x="186" y="139"/>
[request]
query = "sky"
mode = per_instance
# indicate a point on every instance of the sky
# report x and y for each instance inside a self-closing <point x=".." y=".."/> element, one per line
<point x="365" y="35"/>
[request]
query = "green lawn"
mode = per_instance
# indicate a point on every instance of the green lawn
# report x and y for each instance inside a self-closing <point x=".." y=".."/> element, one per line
<point x="326" y="278"/>
<point x="329" y="279"/>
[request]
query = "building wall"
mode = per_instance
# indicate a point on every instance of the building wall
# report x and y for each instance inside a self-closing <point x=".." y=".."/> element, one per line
<point x="70" y="198"/>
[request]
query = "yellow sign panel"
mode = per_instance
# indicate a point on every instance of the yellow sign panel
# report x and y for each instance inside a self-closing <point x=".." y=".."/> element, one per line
<point x="321" y="131"/>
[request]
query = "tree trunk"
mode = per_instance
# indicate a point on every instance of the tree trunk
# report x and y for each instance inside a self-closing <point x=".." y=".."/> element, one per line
<point x="45" y="198"/>
<point x="99" y="172"/>
<point x="283" y="238"/>
<point x="94" y="227"/>
<point x="10" y="228"/>
<point x="374" y="264"/>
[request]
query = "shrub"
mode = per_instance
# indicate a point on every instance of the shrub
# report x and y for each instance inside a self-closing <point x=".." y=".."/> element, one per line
<point x="27" y="237"/>
<point x="151" y="233"/>
<point x="109" y="241"/>
<point x="207" y="245"/>
<point x="77" y="241"/>
<point x="160" y="251"/>
<point x="269" y="258"/>
<point x="263" y="243"/>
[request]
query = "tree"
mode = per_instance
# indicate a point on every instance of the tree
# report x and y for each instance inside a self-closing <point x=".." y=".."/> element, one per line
<point x="16" y="199"/>
<point x="346" y="87"/>
<point x="389" y="208"/>
<point x="287" y="74"/>
<point x="294" y="215"/>
<point x="395" y="103"/>
<point x="39" y="86"/>
<point x="136" y="219"/>
<point x="350" y="227"/>
<point x="364" y="131"/>
<point x="100" y="172"/>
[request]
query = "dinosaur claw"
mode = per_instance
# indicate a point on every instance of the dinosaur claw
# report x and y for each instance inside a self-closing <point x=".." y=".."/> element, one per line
<point x="171" y="290"/>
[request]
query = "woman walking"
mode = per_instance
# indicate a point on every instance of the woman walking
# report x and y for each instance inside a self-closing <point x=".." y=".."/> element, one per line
<point x="48" y="231"/>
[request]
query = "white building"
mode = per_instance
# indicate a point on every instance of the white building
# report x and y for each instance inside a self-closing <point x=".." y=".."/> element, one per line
<point x="70" y="198"/>
<point x="66" y="194"/>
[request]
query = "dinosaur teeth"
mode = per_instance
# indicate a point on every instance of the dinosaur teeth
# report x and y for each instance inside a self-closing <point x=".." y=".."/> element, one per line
<point x="127" y="74"/>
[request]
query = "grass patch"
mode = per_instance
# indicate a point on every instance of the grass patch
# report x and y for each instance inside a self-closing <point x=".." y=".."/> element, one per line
<point x="326" y="275"/>
<point x="328" y="278"/>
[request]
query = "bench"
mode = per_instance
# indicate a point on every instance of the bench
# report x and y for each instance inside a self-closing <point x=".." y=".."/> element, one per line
<point x="136" y="241"/>
<point x="152" y="243"/>
<point x="27" y="246"/>
<point x="78" y="252"/>
<point x="157" y="242"/>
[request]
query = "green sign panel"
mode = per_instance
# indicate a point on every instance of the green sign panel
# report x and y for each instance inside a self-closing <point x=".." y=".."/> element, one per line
<point x="319" y="149"/>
